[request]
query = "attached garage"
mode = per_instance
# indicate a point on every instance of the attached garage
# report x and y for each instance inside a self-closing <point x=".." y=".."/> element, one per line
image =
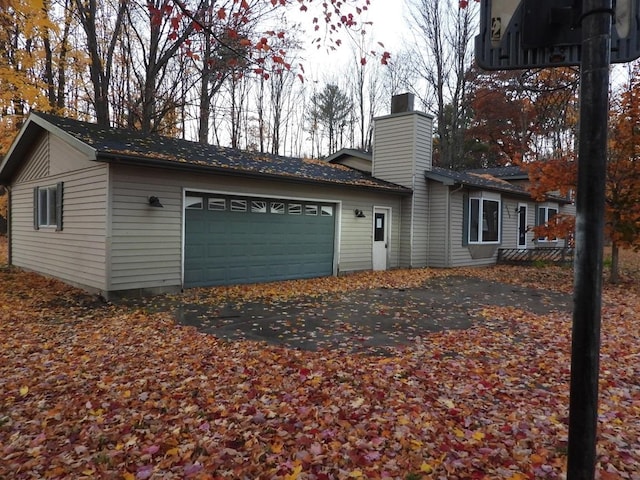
<point x="243" y="239"/>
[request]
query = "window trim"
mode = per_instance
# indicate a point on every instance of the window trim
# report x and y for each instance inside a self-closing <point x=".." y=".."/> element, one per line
<point x="481" y="198"/>
<point x="540" y="221"/>
<point x="52" y="202"/>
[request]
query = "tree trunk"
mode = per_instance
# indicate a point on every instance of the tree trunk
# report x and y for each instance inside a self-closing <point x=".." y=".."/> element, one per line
<point x="614" y="274"/>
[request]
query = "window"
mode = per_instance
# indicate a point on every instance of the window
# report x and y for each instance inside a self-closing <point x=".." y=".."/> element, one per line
<point x="258" y="206"/>
<point x="193" y="203"/>
<point x="311" y="210"/>
<point x="484" y="220"/>
<point x="545" y="216"/>
<point x="238" y="205"/>
<point x="295" y="209"/>
<point x="277" y="207"/>
<point x="217" y="204"/>
<point x="326" y="211"/>
<point x="47" y="206"/>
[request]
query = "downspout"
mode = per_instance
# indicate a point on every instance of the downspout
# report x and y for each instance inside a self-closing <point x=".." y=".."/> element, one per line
<point x="448" y="230"/>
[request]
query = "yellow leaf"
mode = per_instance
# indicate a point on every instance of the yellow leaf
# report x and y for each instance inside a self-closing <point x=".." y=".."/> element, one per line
<point x="127" y="394"/>
<point x="459" y="433"/>
<point x="517" y="476"/>
<point x="294" y="474"/>
<point x="478" y="435"/>
<point x="356" y="474"/>
<point x="172" y="451"/>
<point x="24" y="390"/>
<point x="277" y="447"/>
<point x="426" y="468"/>
<point x="128" y="476"/>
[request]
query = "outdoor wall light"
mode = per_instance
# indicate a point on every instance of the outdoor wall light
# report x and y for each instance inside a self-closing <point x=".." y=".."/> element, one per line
<point x="359" y="213"/>
<point x="155" y="202"/>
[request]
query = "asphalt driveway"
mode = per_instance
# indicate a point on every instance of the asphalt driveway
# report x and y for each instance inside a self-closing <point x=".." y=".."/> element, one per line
<point x="371" y="321"/>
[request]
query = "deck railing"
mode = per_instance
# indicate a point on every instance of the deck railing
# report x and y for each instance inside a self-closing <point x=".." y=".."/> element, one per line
<point x="531" y="256"/>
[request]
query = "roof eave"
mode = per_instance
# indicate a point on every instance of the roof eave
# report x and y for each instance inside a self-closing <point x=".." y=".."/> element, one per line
<point x="23" y="142"/>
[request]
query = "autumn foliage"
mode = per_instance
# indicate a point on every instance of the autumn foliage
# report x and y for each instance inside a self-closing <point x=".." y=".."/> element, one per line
<point x="94" y="390"/>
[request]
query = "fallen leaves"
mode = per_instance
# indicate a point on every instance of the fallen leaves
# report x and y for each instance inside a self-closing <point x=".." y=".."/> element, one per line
<point x="89" y="390"/>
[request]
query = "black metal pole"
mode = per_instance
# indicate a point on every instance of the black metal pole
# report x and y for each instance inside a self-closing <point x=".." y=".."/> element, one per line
<point x="592" y="153"/>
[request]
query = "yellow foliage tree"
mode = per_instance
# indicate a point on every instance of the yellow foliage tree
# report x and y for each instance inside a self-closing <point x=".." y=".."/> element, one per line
<point x="23" y="25"/>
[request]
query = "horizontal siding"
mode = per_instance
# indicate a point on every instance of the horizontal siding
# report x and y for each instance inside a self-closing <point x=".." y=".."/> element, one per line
<point x="394" y="149"/>
<point x="77" y="254"/>
<point x="402" y="148"/>
<point x="146" y="242"/>
<point x="438" y="225"/>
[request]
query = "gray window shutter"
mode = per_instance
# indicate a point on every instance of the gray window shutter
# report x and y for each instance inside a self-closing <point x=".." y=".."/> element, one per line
<point x="59" y="206"/>
<point x="465" y="219"/>
<point x="36" y="192"/>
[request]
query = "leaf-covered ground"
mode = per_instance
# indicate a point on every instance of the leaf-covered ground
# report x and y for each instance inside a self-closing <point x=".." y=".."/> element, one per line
<point x="90" y="390"/>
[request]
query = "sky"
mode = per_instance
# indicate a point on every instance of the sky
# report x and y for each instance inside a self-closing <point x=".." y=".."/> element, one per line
<point x="388" y="17"/>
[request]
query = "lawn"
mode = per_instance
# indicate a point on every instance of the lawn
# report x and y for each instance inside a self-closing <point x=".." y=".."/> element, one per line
<point x="92" y="390"/>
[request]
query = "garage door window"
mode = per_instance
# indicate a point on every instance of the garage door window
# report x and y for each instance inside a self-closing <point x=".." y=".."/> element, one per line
<point x="238" y="205"/>
<point x="258" y="206"/>
<point x="311" y="210"/>
<point x="277" y="208"/>
<point x="217" y="204"/>
<point x="193" y="203"/>
<point x="326" y="211"/>
<point x="295" y="209"/>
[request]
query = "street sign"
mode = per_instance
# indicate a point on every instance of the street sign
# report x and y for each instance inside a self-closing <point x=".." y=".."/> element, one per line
<point x="521" y="34"/>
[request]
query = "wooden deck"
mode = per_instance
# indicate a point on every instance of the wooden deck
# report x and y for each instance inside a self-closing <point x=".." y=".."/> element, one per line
<point x="539" y="255"/>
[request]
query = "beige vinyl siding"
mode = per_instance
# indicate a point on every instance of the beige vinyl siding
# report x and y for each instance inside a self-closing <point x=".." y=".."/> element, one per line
<point x="77" y="253"/>
<point x="402" y="147"/>
<point x="509" y="237"/>
<point x="439" y="227"/>
<point x="402" y="154"/>
<point x="146" y="242"/>
<point x="37" y="166"/>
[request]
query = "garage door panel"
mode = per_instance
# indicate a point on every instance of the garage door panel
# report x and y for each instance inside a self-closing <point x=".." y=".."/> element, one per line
<point x="226" y="247"/>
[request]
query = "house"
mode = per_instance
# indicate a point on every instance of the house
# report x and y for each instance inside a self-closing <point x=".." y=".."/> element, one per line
<point x="119" y="212"/>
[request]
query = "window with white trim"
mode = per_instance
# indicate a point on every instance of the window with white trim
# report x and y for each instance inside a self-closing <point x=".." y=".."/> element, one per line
<point x="238" y="205"/>
<point x="545" y="216"/>
<point x="193" y="202"/>
<point x="258" y="206"/>
<point x="295" y="209"/>
<point x="277" y="207"/>
<point x="47" y="206"/>
<point x="311" y="210"/>
<point x="484" y="219"/>
<point x="217" y="204"/>
<point x="326" y="210"/>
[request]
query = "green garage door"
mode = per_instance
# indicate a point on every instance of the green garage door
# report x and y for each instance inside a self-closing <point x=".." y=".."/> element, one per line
<point x="231" y="239"/>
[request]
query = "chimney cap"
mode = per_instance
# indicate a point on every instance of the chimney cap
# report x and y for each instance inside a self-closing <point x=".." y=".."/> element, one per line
<point x="402" y="103"/>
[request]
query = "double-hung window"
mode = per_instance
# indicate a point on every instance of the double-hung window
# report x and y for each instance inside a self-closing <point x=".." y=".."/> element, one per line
<point x="47" y="207"/>
<point x="484" y="218"/>
<point x="545" y="217"/>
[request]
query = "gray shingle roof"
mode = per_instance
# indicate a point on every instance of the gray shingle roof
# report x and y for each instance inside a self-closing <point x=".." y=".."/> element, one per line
<point x="479" y="180"/>
<point x="129" y="146"/>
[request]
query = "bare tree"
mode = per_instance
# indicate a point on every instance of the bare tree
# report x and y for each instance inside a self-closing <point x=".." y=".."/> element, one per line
<point x="444" y="34"/>
<point x="101" y="44"/>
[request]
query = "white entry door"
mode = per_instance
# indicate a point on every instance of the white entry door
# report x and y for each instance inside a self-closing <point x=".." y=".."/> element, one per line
<point x="381" y="218"/>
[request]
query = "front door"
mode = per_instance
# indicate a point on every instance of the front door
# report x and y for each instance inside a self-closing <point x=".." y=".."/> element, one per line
<point x="381" y="218"/>
<point x="522" y="226"/>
